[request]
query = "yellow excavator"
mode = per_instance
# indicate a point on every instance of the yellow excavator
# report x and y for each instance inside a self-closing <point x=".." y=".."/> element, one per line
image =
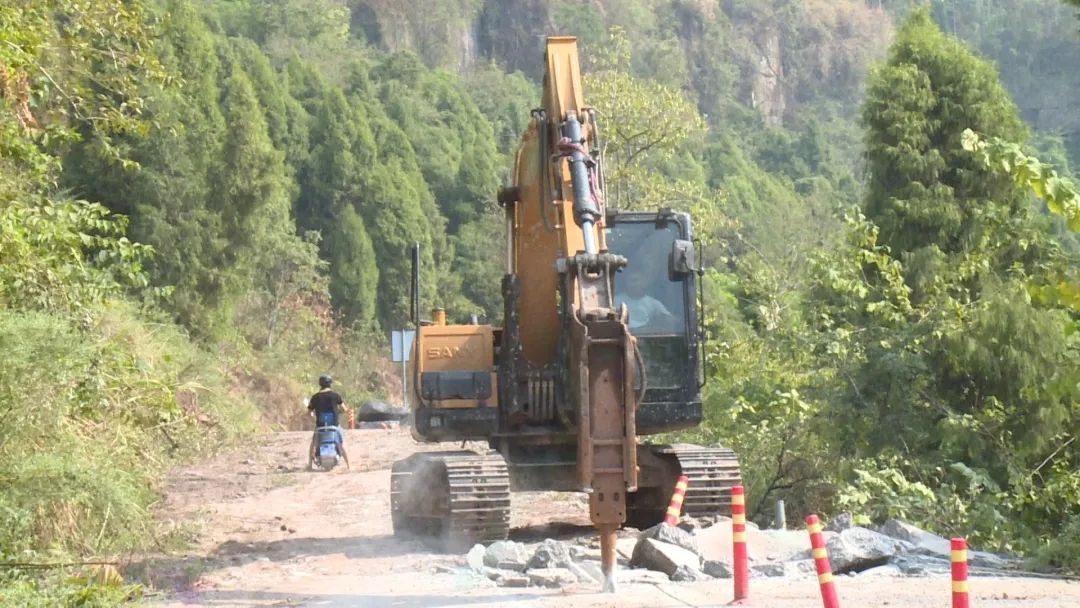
<point x="601" y="343"/>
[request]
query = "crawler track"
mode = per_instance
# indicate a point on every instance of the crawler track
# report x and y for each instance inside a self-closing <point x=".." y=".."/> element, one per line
<point x="455" y="498"/>
<point x="712" y="473"/>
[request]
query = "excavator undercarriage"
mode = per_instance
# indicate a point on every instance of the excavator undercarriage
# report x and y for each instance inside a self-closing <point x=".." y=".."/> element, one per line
<point x="462" y="498"/>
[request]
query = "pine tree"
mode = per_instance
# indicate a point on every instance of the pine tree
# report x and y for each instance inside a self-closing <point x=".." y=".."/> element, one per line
<point x="355" y="277"/>
<point x="932" y="200"/>
<point x="252" y="188"/>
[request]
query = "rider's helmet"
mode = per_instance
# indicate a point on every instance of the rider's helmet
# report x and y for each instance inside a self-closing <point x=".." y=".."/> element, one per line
<point x="325" y="381"/>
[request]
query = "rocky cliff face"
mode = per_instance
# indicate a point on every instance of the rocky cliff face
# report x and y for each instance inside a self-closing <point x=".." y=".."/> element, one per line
<point x="767" y="94"/>
<point x="785" y="53"/>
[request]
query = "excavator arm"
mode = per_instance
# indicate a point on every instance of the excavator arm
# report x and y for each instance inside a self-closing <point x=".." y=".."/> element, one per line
<point x="602" y="354"/>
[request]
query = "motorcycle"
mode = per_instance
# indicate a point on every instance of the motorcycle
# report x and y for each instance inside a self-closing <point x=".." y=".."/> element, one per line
<point x="327" y="454"/>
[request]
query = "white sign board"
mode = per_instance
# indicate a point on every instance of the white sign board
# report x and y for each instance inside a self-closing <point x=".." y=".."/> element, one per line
<point x="401" y="344"/>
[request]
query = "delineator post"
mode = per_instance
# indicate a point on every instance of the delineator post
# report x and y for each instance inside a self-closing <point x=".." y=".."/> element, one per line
<point x="959" y="573"/>
<point x="738" y="538"/>
<point x="675" y="505"/>
<point x="821" y="562"/>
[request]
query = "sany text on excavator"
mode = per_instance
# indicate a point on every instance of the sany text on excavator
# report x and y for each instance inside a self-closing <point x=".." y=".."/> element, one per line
<point x="600" y="344"/>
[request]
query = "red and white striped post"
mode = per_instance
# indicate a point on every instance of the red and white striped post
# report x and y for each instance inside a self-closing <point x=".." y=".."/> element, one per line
<point x="821" y="561"/>
<point x="741" y="566"/>
<point x="959" y="573"/>
<point x="675" y="506"/>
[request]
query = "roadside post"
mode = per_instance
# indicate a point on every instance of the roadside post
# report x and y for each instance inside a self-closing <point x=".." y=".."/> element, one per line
<point x="741" y="566"/>
<point x="401" y="341"/>
<point x="821" y="561"/>
<point x="959" y="573"/>
<point x="671" y="517"/>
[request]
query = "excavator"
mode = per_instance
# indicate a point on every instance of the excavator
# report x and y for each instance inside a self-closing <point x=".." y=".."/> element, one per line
<point x="601" y="344"/>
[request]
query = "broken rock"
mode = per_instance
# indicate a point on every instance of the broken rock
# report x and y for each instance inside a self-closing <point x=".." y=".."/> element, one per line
<point x="928" y="543"/>
<point x="663" y="557"/>
<point x="550" y="554"/>
<point x="801" y="568"/>
<point x="506" y="555"/>
<point x="672" y="535"/>
<point x="642" y="575"/>
<point x="475" y="557"/>
<point x="772" y="569"/>
<point x="512" y="579"/>
<point x="717" y="568"/>
<point x="587" y="572"/>
<point x="685" y="574"/>
<point x="857" y="549"/>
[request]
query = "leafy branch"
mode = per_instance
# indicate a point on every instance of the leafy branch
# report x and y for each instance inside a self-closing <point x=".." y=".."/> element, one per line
<point x="1008" y="158"/>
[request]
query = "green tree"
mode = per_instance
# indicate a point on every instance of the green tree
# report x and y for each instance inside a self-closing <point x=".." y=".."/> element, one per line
<point x="252" y="187"/>
<point x="505" y="101"/>
<point x="167" y="194"/>
<point x="332" y="181"/>
<point x="356" y="275"/>
<point x="955" y="376"/>
<point x="926" y="193"/>
<point x="452" y="141"/>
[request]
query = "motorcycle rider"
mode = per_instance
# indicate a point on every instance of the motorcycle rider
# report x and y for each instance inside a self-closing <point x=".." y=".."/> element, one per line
<point x="326" y="405"/>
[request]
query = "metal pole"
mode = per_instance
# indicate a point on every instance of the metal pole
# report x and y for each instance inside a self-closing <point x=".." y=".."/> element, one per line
<point x="404" y="373"/>
<point x="781" y="517"/>
<point x="608" y="559"/>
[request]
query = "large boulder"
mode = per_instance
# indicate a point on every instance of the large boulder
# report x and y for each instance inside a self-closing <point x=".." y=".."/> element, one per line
<point x="921" y="539"/>
<point x="380" y="411"/>
<point x="663" y="557"/>
<point x="506" y="555"/>
<point x="857" y="549"/>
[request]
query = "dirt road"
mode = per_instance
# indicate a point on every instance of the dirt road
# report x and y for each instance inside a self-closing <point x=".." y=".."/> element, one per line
<point x="271" y="534"/>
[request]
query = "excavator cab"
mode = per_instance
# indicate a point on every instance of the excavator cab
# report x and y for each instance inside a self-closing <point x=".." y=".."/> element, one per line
<point x="658" y="286"/>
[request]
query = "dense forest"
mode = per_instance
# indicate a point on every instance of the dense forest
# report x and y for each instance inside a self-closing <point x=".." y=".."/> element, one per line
<point x="204" y="205"/>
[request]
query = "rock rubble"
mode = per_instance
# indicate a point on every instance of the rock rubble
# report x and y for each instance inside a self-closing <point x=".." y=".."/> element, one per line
<point x="699" y="552"/>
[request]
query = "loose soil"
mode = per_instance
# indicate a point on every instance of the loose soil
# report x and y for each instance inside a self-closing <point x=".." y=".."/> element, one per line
<point x="269" y="533"/>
